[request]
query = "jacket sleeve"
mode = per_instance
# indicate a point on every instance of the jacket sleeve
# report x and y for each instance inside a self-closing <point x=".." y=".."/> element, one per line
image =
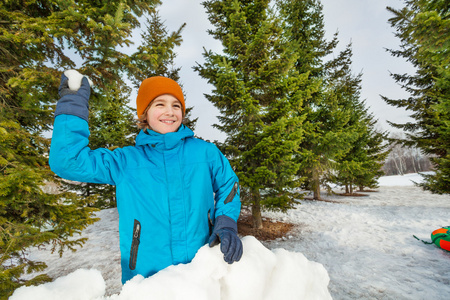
<point x="71" y="158"/>
<point x="226" y="188"/>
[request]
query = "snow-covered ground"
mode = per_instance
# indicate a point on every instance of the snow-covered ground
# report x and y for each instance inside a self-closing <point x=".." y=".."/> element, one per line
<point x="363" y="245"/>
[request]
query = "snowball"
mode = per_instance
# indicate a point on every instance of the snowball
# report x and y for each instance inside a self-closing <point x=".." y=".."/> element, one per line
<point x="75" y="78"/>
<point x="81" y="284"/>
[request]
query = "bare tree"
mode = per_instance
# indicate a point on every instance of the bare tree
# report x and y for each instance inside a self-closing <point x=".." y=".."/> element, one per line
<point x="402" y="160"/>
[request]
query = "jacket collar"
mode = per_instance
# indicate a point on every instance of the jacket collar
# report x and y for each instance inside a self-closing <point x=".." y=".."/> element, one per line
<point x="163" y="141"/>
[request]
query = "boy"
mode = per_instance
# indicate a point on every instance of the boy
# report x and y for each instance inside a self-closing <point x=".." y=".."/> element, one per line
<point x="170" y="187"/>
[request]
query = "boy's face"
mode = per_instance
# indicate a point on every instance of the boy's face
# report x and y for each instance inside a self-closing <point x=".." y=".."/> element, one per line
<point x="165" y="114"/>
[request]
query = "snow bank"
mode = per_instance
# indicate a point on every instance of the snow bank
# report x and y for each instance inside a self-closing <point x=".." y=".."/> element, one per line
<point x="81" y="284"/>
<point x="401" y="180"/>
<point x="261" y="274"/>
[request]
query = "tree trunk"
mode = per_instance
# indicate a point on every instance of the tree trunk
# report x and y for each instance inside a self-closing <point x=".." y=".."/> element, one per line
<point x="346" y="188"/>
<point x="351" y="188"/>
<point x="316" y="184"/>
<point x="256" y="213"/>
<point x="399" y="171"/>
<point x="414" y="164"/>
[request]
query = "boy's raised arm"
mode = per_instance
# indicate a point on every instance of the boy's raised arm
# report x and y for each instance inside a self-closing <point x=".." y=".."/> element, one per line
<point x="70" y="156"/>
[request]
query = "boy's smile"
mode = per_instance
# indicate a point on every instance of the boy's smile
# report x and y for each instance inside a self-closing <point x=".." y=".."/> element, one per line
<point x="165" y="114"/>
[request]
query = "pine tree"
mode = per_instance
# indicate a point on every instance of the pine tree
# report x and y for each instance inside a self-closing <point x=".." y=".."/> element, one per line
<point x="36" y="38"/>
<point x="362" y="165"/>
<point x="331" y="133"/>
<point x="29" y="216"/>
<point x="155" y="57"/>
<point x="375" y="152"/>
<point x="326" y="137"/>
<point x="423" y="27"/>
<point x="304" y="24"/>
<point x="256" y="90"/>
<point x="359" y="164"/>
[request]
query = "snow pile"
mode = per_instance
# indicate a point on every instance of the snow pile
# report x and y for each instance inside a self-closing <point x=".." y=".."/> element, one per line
<point x="261" y="274"/>
<point x="81" y="284"/>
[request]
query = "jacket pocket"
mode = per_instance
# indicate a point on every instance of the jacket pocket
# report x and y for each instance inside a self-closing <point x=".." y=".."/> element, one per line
<point x="135" y="244"/>
<point x="232" y="193"/>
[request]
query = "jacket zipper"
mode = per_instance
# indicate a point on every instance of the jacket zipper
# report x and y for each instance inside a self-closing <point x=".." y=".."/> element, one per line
<point x="210" y="223"/>
<point x="135" y="244"/>
<point x="232" y="193"/>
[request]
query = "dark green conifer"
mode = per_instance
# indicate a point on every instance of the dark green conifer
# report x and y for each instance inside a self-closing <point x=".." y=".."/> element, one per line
<point x="326" y="137"/>
<point x="423" y="27"/>
<point x="359" y="163"/>
<point x="257" y="91"/>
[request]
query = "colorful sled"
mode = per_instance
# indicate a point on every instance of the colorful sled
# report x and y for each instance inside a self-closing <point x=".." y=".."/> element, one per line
<point x="440" y="237"/>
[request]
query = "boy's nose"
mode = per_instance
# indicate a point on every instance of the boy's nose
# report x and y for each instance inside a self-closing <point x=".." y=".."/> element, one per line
<point x="169" y="111"/>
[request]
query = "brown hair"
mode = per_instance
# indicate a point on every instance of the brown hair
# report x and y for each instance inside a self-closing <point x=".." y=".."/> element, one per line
<point x="142" y="120"/>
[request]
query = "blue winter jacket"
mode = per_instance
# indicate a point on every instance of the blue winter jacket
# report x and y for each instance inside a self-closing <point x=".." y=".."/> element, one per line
<point x="169" y="189"/>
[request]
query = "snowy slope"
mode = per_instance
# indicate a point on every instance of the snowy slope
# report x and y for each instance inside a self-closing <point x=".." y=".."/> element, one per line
<point x="365" y="244"/>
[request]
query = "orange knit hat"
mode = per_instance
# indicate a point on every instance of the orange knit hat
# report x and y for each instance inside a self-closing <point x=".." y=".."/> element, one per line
<point x="156" y="86"/>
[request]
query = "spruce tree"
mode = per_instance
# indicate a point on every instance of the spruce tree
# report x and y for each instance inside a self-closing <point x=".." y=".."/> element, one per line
<point x="423" y="27"/>
<point x="359" y="164"/>
<point x="36" y="39"/>
<point x="375" y="152"/>
<point x="30" y="216"/>
<point x="256" y="90"/>
<point x="331" y="133"/>
<point x="326" y="137"/>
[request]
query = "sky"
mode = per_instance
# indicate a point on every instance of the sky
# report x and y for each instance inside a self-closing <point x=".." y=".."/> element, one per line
<point x="364" y="23"/>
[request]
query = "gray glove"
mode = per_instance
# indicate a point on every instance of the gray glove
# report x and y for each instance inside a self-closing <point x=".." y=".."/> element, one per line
<point x="73" y="102"/>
